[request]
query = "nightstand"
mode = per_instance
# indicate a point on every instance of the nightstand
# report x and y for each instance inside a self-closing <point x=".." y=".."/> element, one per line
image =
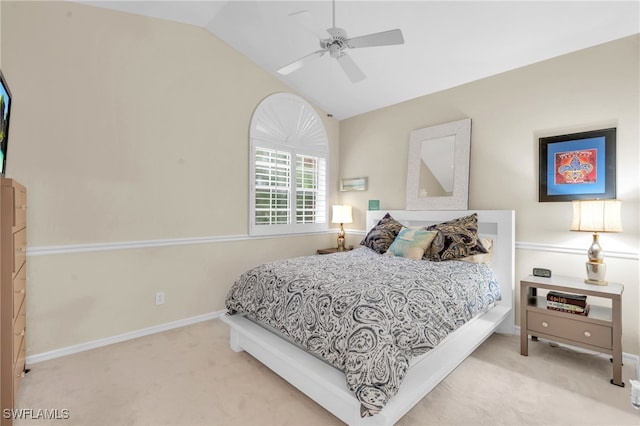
<point x="332" y="250"/>
<point x="600" y="330"/>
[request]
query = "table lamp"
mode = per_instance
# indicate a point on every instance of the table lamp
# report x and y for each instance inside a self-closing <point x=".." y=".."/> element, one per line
<point x="596" y="216"/>
<point x="341" y="215"/>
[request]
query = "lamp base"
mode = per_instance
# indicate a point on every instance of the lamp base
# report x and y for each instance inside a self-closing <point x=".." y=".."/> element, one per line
<point x="341" y="238"/>
<point x="588" y="281"/>
<point x="595" y="273"/>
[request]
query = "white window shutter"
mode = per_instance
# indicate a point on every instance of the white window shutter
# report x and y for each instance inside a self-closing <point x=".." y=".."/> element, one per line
<point x="288" y="167"/>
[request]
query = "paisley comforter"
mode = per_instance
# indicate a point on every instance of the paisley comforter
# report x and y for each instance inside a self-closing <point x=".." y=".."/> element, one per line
<point x="364" y="313"/>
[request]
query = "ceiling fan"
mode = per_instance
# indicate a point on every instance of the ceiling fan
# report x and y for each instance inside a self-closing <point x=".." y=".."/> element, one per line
<point x="336" y="43"/>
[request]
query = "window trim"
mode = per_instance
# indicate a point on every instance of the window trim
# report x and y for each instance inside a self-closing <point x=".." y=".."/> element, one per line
<point x="286" y="122"/>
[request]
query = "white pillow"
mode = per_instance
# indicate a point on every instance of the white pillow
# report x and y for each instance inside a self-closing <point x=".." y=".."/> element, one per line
<point x="482" y="257"/>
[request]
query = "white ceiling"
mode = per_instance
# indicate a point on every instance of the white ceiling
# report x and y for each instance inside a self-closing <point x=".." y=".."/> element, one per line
<point x="447" y="43"/>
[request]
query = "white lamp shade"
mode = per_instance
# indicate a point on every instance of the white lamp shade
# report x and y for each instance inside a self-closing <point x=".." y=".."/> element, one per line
<point x="596" y="216"/>
<point x="342" y="214"/>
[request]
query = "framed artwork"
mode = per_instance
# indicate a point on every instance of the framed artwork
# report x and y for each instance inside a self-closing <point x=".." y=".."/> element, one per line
<point x="578" y="166"/>
<point x="353" y="184"/>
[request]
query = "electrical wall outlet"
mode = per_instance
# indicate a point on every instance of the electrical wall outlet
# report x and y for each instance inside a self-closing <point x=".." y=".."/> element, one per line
<point x="160" y="298"/>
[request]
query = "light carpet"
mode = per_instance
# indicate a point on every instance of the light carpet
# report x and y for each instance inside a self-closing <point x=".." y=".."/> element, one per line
<point x="189" y="376"/>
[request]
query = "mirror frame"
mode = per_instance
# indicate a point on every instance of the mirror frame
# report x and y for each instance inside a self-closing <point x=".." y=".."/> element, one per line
<point x="461" y="130"/>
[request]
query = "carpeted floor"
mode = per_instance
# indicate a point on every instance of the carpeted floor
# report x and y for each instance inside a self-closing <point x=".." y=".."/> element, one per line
<point x="189" y="376"/>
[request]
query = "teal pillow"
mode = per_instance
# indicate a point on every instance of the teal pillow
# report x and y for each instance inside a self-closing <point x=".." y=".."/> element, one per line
<point x="412" y="243"/>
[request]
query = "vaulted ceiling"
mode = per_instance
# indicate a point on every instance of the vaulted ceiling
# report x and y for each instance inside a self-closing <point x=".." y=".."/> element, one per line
<point x="446" y="43"/>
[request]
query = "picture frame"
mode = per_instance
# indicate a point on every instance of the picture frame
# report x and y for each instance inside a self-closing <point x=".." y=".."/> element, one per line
<point x="578" y="166"/>
<point x="353" y="184"/>
<point x="5" y="116"/>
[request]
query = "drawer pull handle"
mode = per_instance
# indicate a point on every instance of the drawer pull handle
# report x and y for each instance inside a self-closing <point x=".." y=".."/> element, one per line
<point x="21" y="374"/>
<point x="587" y="334"/>
<point x="545" y="324"/>
<point x="23" y="207"/>
<point x="20" y="334"/>
<point x="20" y="291"/>
<point x="22" y="250"/>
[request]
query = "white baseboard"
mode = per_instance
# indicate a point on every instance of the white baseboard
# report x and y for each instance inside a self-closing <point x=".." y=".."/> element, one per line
<point x="627" y="358"/>
<point x="57" y="353"/>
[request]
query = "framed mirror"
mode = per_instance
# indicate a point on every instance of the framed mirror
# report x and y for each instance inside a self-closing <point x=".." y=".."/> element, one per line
<point x="438" y="167"/>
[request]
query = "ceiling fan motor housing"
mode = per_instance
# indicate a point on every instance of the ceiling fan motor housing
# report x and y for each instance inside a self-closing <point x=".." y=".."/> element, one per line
<point x="336" y="43"/>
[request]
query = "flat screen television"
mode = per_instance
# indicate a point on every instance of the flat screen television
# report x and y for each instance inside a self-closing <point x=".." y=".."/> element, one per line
<point x="5" y="109"/>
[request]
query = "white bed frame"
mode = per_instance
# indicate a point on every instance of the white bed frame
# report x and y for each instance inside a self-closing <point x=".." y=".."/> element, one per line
<point x="326" y="384"/>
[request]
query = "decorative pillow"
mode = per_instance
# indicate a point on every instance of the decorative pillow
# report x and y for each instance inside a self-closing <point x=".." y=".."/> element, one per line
<point x="483" y="257"/>
<point x="411" y="243"/>
<point x="381" y="236"/>
<point x="456" y="239"/>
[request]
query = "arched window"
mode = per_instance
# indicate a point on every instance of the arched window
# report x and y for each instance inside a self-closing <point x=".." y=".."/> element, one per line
<point x="288" y="167"/>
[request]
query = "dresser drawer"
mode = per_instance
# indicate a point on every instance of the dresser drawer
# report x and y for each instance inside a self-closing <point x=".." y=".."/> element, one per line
<point x="19" y="290"/>
<point x="18" y="372"/>
<point x="20" y="208"/>
<point x="19" y="249"/>
<point x="578" y="331"/>
<point x="19" y="330"/>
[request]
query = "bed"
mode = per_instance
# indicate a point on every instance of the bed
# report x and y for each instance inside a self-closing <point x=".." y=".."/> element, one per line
<point x="327" y="384"/>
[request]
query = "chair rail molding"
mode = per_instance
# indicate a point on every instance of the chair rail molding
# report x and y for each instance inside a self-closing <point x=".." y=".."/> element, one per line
<point x="124" y="245"/>
<point x="522" y="245"/>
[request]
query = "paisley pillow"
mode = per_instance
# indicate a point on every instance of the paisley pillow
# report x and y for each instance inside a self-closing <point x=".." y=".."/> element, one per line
<point x="456" y="239"/>
<point x="381" y="236"/>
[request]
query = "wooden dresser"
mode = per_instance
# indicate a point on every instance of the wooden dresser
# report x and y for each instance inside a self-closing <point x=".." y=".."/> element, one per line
<point x="13" y="269"/>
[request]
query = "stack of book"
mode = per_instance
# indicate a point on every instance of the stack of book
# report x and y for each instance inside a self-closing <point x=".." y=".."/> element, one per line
<point x="566" y="302"/>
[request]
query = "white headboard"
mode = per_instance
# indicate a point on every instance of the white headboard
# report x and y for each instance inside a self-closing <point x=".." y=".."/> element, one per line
<point x="499" y="225"/>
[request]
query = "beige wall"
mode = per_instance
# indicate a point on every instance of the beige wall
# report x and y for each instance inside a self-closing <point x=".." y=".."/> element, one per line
<point x="127" y="128"/>
<point x="591" y="89"/>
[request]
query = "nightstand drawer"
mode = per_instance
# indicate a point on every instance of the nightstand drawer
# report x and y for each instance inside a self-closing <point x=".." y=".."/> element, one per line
<point x="566" y="328"/>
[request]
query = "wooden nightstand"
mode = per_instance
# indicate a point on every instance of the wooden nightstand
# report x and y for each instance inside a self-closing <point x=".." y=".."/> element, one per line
<point x="600" y="330"/>
<point x="332" y="250"/>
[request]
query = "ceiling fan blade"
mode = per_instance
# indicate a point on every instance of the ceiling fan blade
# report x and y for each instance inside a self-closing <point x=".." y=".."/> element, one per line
<point x="295" y="65"/>
<point x="350" y="68"/>
<point x="384" y="38"/>
<point x="305" y="19"/>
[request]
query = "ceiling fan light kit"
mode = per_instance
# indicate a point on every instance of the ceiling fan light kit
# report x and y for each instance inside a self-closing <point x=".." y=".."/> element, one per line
<point x="336" y="44"/>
